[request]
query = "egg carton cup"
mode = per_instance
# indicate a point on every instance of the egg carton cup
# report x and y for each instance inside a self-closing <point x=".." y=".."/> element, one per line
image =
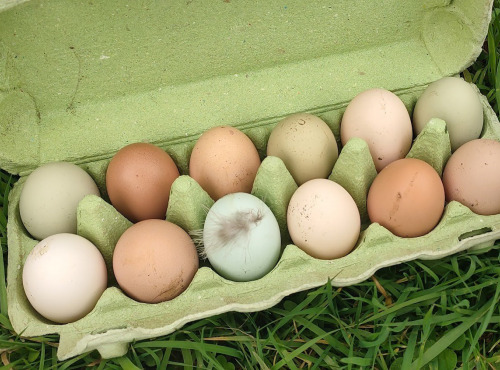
<point x="439" y="37"/>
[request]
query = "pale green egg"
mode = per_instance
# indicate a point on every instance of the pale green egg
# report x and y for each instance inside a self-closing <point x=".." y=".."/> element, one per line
<point x="241" y="237"/>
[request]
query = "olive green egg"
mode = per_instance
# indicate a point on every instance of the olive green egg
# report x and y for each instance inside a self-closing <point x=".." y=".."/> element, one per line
<point x="307" y="146"/>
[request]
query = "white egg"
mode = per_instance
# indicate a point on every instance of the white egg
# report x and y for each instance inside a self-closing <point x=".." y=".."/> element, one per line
<point x="241" y="237"/>
<point x="63" y="277"/>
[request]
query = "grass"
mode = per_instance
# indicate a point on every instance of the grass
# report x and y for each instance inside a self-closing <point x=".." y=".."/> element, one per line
<point x="441" y="314"/>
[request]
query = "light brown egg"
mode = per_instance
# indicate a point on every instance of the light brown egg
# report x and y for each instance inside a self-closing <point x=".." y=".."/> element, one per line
<point x="224" y="161"/>
<point x="154" y="261"/>
<point x="406" y="197"/>
<point x="472" y="176"/>
<point x="138" y="181"/>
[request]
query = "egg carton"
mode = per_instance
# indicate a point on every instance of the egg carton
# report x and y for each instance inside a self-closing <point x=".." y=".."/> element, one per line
<point x="80" y="81"/>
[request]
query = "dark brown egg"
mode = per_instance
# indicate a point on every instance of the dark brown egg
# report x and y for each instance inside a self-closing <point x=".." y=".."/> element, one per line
<point x="138" y="181"/>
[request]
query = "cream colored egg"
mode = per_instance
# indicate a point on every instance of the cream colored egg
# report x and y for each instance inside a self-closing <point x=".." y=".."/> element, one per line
<point x="323" y="219"/>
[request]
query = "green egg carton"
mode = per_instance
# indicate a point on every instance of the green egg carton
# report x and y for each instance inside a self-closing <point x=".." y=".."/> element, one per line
<point x="80" y="80"/>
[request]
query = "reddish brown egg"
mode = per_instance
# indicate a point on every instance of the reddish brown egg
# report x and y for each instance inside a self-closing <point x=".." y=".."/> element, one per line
<point x="224" y="160"/>
<point x="406" y="197"/>
<point x="138" y="181"/>
<point x="154" y="261"/>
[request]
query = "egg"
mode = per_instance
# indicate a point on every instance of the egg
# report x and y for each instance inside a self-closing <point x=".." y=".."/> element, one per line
<point x="407" y="198"/>
<point x="472" y="176"/>
<point x="241" y="237"/>
<point x="223" y="161"/>
<point x="138" y="181"/>
<point x="154" y="261"/>
<point x="64" y="276"/>
<point x="323" y="219"/>
<point x="454" y="101"/>
<point x="306" y="145"/>
<point x="380" y="118"/>
<point x="50" y="196"/>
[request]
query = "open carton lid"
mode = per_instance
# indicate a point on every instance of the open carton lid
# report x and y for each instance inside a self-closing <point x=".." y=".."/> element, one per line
<point x="78" y="81"/>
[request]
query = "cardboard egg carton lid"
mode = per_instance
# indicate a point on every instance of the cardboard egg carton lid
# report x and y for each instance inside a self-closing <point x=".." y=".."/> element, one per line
<point x="79" y="81"/>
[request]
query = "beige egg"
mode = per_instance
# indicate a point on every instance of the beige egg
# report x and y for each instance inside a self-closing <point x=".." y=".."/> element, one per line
<point x="381" y="119"/>
<point x="306" y="145"/>
<point x="224" y="161"/>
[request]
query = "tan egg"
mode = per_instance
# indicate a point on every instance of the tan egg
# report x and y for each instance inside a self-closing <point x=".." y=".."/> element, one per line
<point x="306" y="145"/>
<point x="472" y="176"/>
<point x="138" y="181"/>
<point x="154" y="261"/>
<point x="224" y="161"/>
<point x="381" y="119"/>
<point x="407" y="198"/>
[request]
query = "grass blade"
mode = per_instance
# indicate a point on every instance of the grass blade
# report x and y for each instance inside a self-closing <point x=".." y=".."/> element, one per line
<point x="486" y="321"/>
<point x="450" y="337"/>
<point x="497" y="84"/>
<point x="200" y="346"/>
<point x="410" y="349"/>
<point x="125" y="363"/>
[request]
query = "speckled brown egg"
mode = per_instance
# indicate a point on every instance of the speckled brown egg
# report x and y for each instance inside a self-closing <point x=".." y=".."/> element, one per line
<point x="154" y="261"/>
<point x="224" y="161"/>
<point x="138" y="181"/>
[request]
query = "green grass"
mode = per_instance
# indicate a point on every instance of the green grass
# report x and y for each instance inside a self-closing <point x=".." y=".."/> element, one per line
<point x="441" y="314"/>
